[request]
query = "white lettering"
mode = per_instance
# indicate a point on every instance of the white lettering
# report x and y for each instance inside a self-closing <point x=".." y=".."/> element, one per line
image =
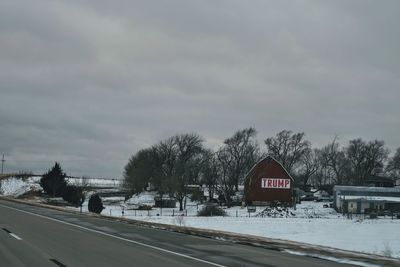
<point x="275" y="183"/>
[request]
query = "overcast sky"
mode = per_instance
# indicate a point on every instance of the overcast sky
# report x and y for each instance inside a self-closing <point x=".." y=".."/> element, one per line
<point x="88" y="83"/>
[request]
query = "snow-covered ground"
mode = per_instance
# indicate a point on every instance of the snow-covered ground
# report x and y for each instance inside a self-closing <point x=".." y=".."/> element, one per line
<point x="309" y="223"/>
<point x="17" y="187"/>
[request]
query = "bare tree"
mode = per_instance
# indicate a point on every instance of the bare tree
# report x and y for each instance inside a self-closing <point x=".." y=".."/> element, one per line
<point x="182" y="164"/>
<point x="170" y="166"/>
<point x="366" y="158"/>
<point x="336" y="161"/>
<point x="189" y="149"/>
<point x="393" y="167"/>
<point x="309" y="166"/>
<point x="84" y="182"/>
<point x="139" y="170"/>
<point x="226" y="182"/>
<point x="209" y="172"/>
<point x="244" y="152"/>
<point x="288" y="148"/>
<point x="165" y="157"/>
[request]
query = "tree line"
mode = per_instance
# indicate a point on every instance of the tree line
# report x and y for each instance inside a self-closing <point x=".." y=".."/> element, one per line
<point x="172" y="164"/>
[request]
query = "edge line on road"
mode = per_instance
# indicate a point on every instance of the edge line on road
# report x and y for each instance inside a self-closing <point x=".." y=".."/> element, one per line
<point x="11" y="234"/>
<point x="15" y="236"/>
<point x="117" y="237"/>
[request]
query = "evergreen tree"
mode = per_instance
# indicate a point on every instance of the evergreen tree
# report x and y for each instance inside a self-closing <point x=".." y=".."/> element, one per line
<point x="53" y="182"/>
<point x="95" y="204"/>
<point x="73" y="195"/>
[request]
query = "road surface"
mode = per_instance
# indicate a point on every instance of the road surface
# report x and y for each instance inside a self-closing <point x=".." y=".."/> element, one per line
<point x="34" y="236"/>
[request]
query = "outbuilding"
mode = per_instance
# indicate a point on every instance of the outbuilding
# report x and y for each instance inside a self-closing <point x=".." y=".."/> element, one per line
<point x="362" y="199"/>
<point x="268" y="182"/>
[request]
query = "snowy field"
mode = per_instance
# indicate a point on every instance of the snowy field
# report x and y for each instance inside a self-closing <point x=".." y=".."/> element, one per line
<point x="377" y="237"/>
<point x="309" y="223"/>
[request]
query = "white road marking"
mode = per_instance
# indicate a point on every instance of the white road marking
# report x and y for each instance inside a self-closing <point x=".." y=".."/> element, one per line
<point x="15" y="236"/>
<point x="117" y="237"/>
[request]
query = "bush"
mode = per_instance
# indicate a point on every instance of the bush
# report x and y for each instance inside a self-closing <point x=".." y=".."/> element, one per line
<point x="144" y="207"/>
<point x="197" y="196"/>
<point x="373" y="215"/>
<point x="95" y="204"/>
<point x="73" y="195"/>
<point x="211" y="211"/>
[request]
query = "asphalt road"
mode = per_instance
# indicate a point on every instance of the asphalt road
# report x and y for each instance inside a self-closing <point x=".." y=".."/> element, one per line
<point x="33" y="236"/>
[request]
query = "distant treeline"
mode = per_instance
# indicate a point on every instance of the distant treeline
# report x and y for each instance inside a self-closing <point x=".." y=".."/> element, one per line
<point x="170" y="165"/>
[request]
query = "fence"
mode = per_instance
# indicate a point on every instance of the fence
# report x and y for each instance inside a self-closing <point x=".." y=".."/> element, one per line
<point x="191" y="211"/>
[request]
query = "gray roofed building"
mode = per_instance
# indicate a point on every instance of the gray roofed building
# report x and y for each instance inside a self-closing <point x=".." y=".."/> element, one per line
<point x="362" y="199"/>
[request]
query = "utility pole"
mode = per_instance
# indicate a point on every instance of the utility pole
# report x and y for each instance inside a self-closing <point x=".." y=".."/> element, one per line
<point x="2" y="163"/>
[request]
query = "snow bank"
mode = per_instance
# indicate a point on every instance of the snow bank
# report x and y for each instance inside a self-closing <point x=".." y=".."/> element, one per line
<point x="17" y="187"/>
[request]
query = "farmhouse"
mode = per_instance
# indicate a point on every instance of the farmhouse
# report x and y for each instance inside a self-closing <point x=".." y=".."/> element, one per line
<point x="268" y="182"/>
<point x="362" y="199"/>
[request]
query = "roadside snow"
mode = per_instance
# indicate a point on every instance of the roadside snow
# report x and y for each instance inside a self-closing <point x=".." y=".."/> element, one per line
<point x="372" y="236"/>
<point x="343" y="261"/>
<point x="309" y="223"/>
<point x="17" y="187"/>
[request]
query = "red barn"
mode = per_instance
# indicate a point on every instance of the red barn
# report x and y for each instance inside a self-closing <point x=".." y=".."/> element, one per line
<point x="269" y="182"/>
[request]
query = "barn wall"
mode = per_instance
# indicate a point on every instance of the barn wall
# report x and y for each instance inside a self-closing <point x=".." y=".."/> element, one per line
<point x="267" y="168"/>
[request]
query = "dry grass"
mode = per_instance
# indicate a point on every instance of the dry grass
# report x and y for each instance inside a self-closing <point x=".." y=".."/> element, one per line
<point x="7" y="175"/>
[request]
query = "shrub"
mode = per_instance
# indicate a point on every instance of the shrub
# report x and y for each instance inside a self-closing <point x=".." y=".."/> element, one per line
<point x="95" y="204"/>
<point x="197" y="196"/>
<point x="144" y="207"/>
<point x="73" y="195"/>
<point x="211" y="211"/>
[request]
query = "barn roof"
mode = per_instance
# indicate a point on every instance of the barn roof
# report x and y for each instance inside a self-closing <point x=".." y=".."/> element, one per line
<point x="269" y="158"/>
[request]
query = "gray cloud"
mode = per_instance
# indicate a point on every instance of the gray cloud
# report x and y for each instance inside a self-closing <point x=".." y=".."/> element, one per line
<point x="90" y="83"/>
